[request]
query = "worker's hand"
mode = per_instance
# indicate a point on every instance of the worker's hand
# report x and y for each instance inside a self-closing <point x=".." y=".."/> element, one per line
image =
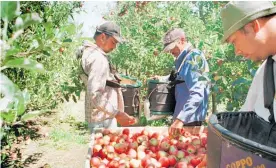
<point x="124" y="119"/>
<point x="155" y="77"/>
<point x="176" y="128"/>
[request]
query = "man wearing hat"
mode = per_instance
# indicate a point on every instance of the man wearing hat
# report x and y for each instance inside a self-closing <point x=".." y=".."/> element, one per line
<point x="251" y="28"/>
<point x="191" y="81"/>
<point x="104" y="105"/>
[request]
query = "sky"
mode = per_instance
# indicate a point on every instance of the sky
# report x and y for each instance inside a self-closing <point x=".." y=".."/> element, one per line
<point x="93" y="16"/>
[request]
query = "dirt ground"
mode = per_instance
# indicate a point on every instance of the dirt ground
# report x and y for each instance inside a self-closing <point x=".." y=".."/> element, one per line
<point x="62" y="144"/>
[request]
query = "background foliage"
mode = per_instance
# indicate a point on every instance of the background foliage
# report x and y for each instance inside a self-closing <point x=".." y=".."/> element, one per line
<point x="144" y="24"/>
<point x="37" y="62"/>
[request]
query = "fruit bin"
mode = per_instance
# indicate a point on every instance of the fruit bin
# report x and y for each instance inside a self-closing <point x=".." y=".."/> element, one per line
<point x="160" y="130"/>
<point x="240" y="139"/>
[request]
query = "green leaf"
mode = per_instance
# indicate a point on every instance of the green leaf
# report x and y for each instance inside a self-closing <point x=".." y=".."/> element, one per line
<point x="8" y="116"/>
<point x="48" y="27"/>
<point x="26" y="96"/>
<point x="19" y="103"/>
<point x="8" y="88"/>
<point x="25" y="63"/>
<point x="12" y="51"/>
<point x="26" y="20"/>
<point x="9" y="9"/>
<point x="31" y="114"/>
<point x="12" y="103"/>
<point x="67" y="40"/>
<point x="40" y="43"/>
<point x="71" y="29"/>
<point x="46" y="53"/>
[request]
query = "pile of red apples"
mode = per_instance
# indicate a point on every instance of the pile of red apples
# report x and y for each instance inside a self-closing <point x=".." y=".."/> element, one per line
<point x="124" y="149"/>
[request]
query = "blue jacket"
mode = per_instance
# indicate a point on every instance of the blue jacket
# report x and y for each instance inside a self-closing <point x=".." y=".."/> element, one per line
<point x="192" y="95"/>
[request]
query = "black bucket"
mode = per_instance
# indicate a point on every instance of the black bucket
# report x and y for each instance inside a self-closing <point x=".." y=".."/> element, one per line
<point x="131" y="94"/>
<point x="240" y="139"/>
<point x="162" y="100"/>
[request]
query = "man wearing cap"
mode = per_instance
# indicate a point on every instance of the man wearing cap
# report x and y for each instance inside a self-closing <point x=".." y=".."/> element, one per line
<point x="104" y="105"/>
<point x="191" y="81"/>
<point x="251" y="28"/>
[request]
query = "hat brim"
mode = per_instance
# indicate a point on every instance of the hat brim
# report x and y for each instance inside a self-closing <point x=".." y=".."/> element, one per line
<point x="118" y="38"/>
<point x="247" y="19"/>
<point x="170" y="46"/>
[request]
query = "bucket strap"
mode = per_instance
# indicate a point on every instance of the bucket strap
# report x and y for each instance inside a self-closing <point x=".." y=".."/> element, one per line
<point x="269" y="88"/>
<point x="111" y="83"/>
<point x="174" y="73"/>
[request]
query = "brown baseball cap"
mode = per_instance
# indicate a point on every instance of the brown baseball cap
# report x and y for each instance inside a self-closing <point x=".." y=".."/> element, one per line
<point x="112" y="29"/>
<point x="171" y="38"/>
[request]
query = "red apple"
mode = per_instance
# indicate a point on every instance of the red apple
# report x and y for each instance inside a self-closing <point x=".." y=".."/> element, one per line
<point x="164" y="161"/>
<point x="95" y="161"/>
<point x="181" y="164"/>
<point x="161" y="154"/>
<point x="172" y="160"/>
<point x="173" y="150"/>
<point x="191" y="149"/>
<point x="154" y="142"/>
<point x="165" y="146"/>
<point x="141" y="155"/>
<point x="132" y="153"/>
<point x="146" y="161"/>
<point x="126" y="131"/>
<point x="133" y="145"/>
<point x="195" y="141"/>
<point x="180" y="154"/>
<point x="173" y="141"/>
<point x="121" y="147"/>
<point x="195" y="161"/>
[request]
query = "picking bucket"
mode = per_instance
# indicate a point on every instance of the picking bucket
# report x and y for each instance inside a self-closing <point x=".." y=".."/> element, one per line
<point x="131" y="92"/>
<point x="162" y="100"/>
<point x="240" y="139"/>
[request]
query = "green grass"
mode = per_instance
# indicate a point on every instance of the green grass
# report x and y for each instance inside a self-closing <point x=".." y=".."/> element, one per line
<point x="58" y="135"/>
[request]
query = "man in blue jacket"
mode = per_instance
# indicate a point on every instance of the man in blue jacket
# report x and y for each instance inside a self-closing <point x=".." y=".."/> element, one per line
<point x="192" y="69"/>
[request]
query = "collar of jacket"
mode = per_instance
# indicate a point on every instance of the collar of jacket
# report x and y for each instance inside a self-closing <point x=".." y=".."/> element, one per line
<point x="274" y="57"/>
<point x="183" y="53"/>
<point x="87" y="43"/>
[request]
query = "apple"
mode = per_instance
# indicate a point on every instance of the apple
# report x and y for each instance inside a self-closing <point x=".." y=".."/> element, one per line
<point x="134" y="163"/>
<point x="165" y="145"/>
<point x="146" y="161"/>
<point x="95" y="161"/>
<point x="173" y="150"/>
<point x="161" y="154"/>
<point x="195" y="161"/>
<point x="141" y="155"/>
<point x="180" y="154"/>
<point x="181" y="164"/>
<point x="132" y="153"/>
<point x="172" y="160"/>
<point x="154" y="142"/>
<point x="133" y="145"/>
<point x="191" y="149"/>
<point x="195" y="141"/>
<point x="164" y="161"/>
<point x="121" y="147"/>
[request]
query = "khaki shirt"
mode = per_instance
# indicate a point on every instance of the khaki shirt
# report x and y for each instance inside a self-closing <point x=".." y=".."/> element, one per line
<point x="101" y="102"/>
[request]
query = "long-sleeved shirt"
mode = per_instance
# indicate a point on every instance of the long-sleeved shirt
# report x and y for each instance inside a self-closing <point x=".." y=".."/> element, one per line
<point x="101" y="101"/>
<point x="255" y="97"/>
<point x="192" y="95"/>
